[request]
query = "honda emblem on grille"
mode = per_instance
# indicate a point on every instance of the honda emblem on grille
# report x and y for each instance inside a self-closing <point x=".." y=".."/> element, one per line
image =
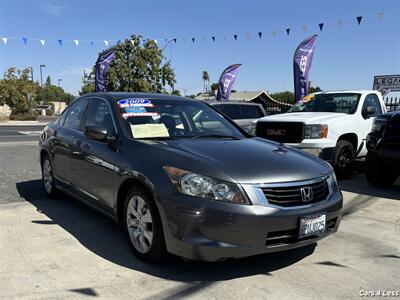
<point x="306" y="194"/>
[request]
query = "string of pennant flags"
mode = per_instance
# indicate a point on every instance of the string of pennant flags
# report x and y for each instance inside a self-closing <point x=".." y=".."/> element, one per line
<point x="107" y="43"/>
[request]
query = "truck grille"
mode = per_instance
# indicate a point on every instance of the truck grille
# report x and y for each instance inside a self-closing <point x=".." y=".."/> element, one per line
<point x="291" y="196"/>
<point x="281" y="132"/>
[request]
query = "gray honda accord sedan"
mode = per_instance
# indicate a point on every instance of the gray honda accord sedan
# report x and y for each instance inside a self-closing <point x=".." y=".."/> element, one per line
<point x="180" y="177"/>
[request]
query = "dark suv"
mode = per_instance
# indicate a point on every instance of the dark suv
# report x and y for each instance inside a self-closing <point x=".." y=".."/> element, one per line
<point x="383" y="144"/>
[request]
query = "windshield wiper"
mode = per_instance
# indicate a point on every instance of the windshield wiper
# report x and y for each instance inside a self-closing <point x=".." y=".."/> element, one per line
<point x="218" y="136"/>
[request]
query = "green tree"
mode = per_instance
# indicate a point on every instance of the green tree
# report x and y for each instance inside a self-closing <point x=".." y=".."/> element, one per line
<point x="314" y="89"/>
<point x="205" y="78"/>
<point x="176" y="92"/>
<point x="17" y="91"/>
<point x="214" y="86"/>
<point x="285" y="97"/>
<point x="48" y="81"/>
<point x="135" y="68"/>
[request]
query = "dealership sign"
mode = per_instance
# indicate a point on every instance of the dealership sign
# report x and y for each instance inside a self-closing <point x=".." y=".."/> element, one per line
<point x="387" y="83"/>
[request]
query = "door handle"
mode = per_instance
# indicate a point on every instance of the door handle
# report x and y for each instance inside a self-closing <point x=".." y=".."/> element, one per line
<point x="78" y="143"/>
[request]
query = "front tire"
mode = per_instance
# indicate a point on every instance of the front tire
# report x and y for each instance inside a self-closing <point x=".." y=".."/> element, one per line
<point x="343" y="159"/>
<point x="378" y="173"/>
<point x="48" y="177"/>
<point x="142" y="224"/>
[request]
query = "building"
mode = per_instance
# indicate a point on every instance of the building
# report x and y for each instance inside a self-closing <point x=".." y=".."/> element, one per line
<point x="262" y="97"/>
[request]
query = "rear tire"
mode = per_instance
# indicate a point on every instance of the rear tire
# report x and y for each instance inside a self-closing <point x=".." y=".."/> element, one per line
<point x="143" y="227"/>
<point x="378" y="173"/>
<point x="48" y="178"/>
<point x="343" y="159"/>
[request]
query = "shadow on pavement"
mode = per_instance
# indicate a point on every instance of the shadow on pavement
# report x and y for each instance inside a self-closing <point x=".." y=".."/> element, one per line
<point x="101" y="236"/>
<point x="359" y="185"/>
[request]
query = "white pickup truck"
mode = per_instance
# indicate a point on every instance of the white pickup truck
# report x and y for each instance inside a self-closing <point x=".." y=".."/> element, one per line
<point x="332" y="125"/>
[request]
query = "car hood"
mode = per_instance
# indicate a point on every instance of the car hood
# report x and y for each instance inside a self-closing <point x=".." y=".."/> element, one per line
<point x="306" y="117"/>
<point x="248" y="160"/>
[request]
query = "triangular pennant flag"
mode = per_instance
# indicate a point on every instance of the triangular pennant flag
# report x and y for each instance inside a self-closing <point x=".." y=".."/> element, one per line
<point x="321" y="25"/>
<point x="155" y="41"/>
<point x="304" y="28"/>
<point x="106" y="43"/>
<point x="91" y="43"/>
<point x="132" y="42"/>
<point x="287" y="31"/>
<point x="175" y="40"/>
<point x="359" y="20"/>
<point x="260" y="34"/>
<point x="339" y="23"/>
<point x="76" y="42"/>
<point x="25" y="40"/>
<point x="119" y="42"/>
<point x="235" y="37"/>
<point x="5" y="40"/>
<point x="381" y="15"/>
<point x="213" y="38"/>
<point x="42" y="42"/>
<point x="166" y="40"/>
<point x="193" y="40"/>
<point x="60" y="42"/>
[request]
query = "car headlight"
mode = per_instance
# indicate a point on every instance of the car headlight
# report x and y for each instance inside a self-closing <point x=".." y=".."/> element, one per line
<point x="196" y="185"/>
<point x="253" y="128"/>
<point x="378" y="125"/>
<point x="332" y="183"/>
<point x="317" y="131"/>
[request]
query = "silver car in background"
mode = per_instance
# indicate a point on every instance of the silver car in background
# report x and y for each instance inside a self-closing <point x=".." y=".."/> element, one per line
<point x="242" y="113"/>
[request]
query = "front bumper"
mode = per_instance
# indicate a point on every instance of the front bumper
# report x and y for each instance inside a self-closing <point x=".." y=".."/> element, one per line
<point x="321" y="148"/>
<point x="209" y="230"/>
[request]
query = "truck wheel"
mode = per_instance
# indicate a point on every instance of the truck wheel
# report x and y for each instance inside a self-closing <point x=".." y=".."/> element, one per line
<point x="343" y="159"/>
<point x="378" y="173"/>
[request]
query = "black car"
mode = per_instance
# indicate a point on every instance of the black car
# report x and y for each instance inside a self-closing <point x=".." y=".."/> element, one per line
<point x="383" y="144"/>
<point x="179" y="177"/>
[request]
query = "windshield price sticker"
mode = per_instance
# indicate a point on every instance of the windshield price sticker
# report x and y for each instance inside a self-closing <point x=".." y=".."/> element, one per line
<point x="135" y="102"/>
<point x="138" y="111"/>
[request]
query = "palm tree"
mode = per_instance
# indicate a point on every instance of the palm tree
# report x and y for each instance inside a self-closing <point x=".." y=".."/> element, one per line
<point x="205" y="78"/>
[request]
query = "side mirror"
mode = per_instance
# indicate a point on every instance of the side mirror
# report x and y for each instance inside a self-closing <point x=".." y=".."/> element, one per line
<point x="96" y="132"/>
<point x="369" y="111"/>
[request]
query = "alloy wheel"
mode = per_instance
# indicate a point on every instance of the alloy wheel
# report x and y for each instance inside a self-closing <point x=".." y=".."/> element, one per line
<point x="139" y="224"/>
<point x="47" y="176"/>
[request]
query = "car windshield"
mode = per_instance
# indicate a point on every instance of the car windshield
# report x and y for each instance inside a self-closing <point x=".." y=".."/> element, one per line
<point x="333" y="102"/>
<point x="174" y="119"/>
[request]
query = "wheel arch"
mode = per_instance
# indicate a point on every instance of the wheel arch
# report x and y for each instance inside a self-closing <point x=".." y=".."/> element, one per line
<point x="350" y="137"/>
<point x="123" y="189"/>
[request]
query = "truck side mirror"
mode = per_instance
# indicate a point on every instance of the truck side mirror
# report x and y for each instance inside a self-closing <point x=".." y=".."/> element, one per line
<point x="369" y="111"/>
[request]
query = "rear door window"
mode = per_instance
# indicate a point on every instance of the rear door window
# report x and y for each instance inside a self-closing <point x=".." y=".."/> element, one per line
<point x="251" y="112"/>
<point x="233" y="111"/>
<point x="75" y="114"/>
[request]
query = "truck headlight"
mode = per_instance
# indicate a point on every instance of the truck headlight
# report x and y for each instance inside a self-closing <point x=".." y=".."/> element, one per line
<point x="196" y="185"/>
<point x="378" y="125"/>
<point x="253" y="128"/>
<point x="317" y="131"/>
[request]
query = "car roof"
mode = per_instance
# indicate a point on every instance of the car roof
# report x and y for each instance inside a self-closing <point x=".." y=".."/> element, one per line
<point x="232" y="102"/>
<point x="126" y="95"/>
<point x="347" y="91"/>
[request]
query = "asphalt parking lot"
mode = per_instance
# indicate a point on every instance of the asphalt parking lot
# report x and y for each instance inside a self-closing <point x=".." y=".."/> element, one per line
<point x="60" y="249"/>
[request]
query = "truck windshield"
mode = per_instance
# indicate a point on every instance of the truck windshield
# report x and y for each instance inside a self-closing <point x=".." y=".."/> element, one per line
<point x="333" y="102"/>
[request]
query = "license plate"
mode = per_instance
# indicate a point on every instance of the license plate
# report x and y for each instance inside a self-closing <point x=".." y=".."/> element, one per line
<point x="314" y="225"/>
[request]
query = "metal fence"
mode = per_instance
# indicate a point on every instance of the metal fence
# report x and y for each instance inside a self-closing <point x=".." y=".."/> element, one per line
<point x="392" y="103"/>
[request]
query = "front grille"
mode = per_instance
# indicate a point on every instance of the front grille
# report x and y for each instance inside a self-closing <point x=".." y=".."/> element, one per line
<point x="281" y="132"/>
<point x="291" y="195"/>
<point x="287" y="237"/>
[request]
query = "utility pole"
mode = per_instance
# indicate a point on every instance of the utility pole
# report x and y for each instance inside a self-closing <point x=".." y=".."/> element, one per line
<point x="32" y="74"/>
<point x="59" y="102"/>
<point x="41" y="88"/>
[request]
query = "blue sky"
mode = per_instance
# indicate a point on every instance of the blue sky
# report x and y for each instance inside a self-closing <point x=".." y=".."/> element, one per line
<point x="345" y="57"/>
